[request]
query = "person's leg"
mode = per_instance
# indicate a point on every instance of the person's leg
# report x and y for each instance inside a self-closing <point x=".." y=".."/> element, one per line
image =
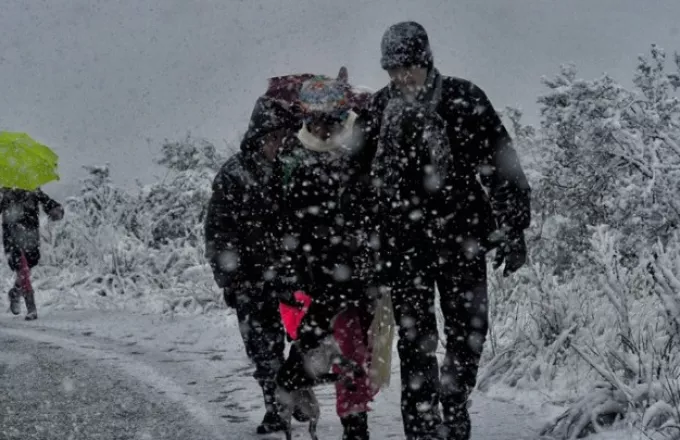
<point x="263" y="337"/>
<point x="15" y="297"/>
<point x="32" y="258"/>
<point x="463" y="294"/>
<point x="14" y="300"/>
<point x="355" y="426"/>
<point x="350" y="330"/>
<point x="22" y="246"/>
<point x="13" y="260"/>
<point x="413" y="300"/>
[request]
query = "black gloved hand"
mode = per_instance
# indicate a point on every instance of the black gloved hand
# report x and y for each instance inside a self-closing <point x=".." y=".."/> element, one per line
<point x="512" y="250"/>
<point x="230" y="297"/>
<point x="284" y="288"/>
<point x="287" y="297"/>
<point x="223" y="278"/>
<point x="56" y="213"/>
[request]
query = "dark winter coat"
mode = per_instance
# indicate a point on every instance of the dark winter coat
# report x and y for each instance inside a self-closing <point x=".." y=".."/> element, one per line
<point x="242" y="219"/>
<point x="21" y="223"/>
<point x="239" y="223"/>
<point x="479" y="146"/>
<point x="323" y="220"/>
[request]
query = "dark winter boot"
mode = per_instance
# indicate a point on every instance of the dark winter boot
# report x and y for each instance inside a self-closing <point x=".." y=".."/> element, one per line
<point x="15" y="300"/>
<point x="271" y="422"/>
<point x="456" y="424"/>
<point x="300" y="416"/>
<point x="355" y="427"/>
<point x="31" y="310"/>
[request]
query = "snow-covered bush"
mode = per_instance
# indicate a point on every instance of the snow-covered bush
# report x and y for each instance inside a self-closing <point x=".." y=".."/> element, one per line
<point x="174" y="208"/>
<point x="594" y="318"/>
<point x="617" y="152"/>
<point x="190" y="154"/>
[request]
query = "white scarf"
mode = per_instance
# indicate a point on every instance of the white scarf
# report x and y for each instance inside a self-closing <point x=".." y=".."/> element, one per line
<point x="342" y="139"/>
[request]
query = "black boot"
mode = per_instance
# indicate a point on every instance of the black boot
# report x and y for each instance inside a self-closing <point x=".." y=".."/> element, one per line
<point x="31" y="310"/>
<point x="271" y="422"/>
<point x="300" y="416"/>
<point x="355" y="427"/>
<point x="15" y="300"/>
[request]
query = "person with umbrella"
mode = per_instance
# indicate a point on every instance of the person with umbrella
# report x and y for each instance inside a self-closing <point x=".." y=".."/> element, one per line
<point x="25" y="166"/>
<point x="21" y="239"/>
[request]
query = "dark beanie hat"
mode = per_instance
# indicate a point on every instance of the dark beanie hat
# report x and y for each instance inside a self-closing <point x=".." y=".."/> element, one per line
<point x="269" y="115"/>
<point x="405" y="44"/>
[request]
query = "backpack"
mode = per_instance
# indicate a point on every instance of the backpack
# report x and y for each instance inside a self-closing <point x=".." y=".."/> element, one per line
<point x="286" y="89"/>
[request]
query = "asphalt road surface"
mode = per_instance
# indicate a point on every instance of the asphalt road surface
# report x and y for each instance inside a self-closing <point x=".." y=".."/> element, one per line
<point x="49" y="392"/>
<point x="89" y="375"/>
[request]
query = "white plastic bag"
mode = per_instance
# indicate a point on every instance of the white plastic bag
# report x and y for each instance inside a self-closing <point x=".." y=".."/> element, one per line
<point x="381" y="337"/>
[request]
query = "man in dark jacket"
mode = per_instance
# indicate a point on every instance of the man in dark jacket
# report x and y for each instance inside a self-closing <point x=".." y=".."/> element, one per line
<point x="20" y="211"/>
<point x="439" y="230"/>
<point x="241" y="240"/>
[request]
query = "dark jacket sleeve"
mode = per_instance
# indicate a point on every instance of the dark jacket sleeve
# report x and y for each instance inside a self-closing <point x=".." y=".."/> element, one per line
<point x="369" y="121"/>
<point x="500" y="169"/>
<point x="362" y="199"/>
<point x="46" y="201"/>
<point x="221" y="227"/>
<point x="360" y="181"/>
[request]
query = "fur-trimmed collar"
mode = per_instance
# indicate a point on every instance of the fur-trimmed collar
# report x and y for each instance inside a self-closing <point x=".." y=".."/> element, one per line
<point x="339" y="140"/>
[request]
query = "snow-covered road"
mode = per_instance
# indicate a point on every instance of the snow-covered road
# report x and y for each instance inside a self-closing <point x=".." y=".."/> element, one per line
<point x="51" y="389"/>
<point x="158" y="377"/>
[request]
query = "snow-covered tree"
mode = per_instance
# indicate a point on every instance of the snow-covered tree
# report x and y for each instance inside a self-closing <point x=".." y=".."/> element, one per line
<point x="174" y="208"/>
<point x="601" y="292"/>
<point x="190" y="154"/>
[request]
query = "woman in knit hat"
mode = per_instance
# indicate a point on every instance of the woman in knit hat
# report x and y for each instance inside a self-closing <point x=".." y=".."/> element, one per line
<point x="324" y="220"/>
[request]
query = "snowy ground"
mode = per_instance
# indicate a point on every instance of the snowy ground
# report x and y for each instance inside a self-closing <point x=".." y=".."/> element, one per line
<point x="199" y="363"/>
<point x="49" y="392"/>
<point x="196" y="366"/>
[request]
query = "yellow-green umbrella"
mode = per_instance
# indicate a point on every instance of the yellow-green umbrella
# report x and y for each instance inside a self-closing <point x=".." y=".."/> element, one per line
<point x="25" y="163"/>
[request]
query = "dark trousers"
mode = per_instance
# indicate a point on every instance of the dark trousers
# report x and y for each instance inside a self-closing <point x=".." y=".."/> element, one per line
<point x="17" y="240"/>
<point x="462" y="286"/>
<point x="263" y="336"/>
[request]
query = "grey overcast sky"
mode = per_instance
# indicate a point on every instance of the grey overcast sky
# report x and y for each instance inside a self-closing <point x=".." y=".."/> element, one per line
<point x="103" y="81"/>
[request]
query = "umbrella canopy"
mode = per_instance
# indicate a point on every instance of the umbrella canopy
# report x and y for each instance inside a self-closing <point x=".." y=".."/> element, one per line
<point x="25" y="163"/>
